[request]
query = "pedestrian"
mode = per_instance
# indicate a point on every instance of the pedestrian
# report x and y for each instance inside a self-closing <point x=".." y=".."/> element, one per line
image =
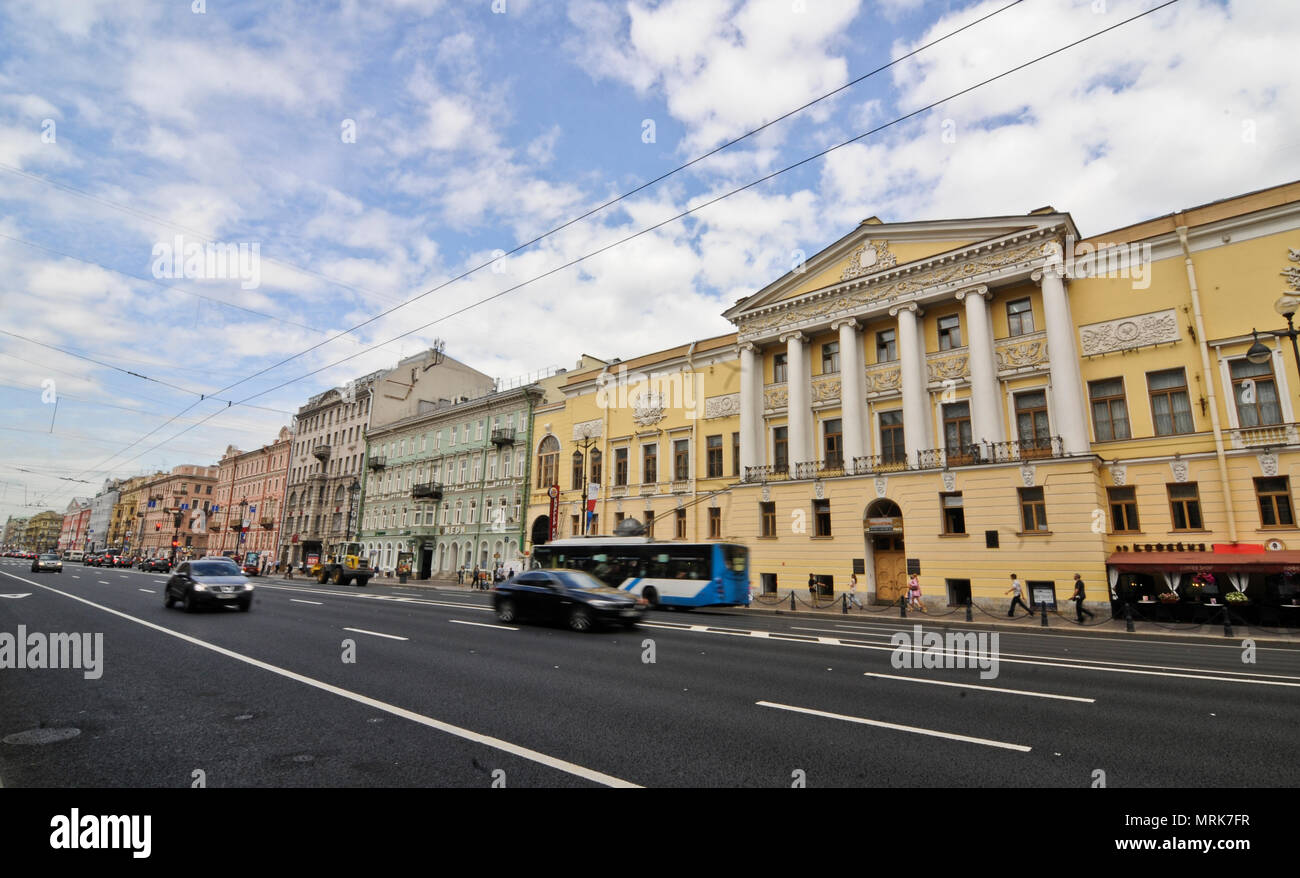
<point x="474" y="581"/>
<point x="812" y="587"/>
<point x="1015" y="591"/>
<point x="1078" y="598"/>
<point x="853" y="591"/>
<point x="914" y="593"/>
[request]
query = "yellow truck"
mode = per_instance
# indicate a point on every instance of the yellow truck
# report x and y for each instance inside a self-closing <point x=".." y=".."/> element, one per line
<point x="343" y="566"/>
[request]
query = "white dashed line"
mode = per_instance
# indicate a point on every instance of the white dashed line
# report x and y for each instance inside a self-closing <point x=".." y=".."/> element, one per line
<point x="482" y="625"/>
<point x="300" y="601"/>
<point x="376" y="634"/>
<point x="916" y="730"/>
<point x="147" y="590"/>
<point x="983" y="688"/>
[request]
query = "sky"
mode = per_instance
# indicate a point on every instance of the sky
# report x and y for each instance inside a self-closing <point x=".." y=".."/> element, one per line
<point x="349" y="157"/>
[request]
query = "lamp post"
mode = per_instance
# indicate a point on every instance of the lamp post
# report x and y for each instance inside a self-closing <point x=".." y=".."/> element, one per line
<point x="1287" y="305"/>
<point x="243" y="511"/>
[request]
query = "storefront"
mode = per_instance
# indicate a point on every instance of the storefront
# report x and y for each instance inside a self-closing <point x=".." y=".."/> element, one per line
<point x="1257" y="586"/>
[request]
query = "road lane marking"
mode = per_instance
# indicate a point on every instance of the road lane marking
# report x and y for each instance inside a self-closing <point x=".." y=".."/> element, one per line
<point x="916" y="730"/>
<point x="103" y="582"/>
<point x="147" y="590"/>
<point x="301" y="601"/>
<point x="482" y="625"/>
<point x="376" y="634"/>
<point x="1020" y="658"/>
<point x="428" y="721"/>
<point x="379" y="597"/>
<point x="983" y="688"/>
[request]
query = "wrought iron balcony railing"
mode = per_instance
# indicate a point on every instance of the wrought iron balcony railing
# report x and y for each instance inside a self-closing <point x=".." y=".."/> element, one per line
<point x="767" y="473"/>
<point x="879" y="463"/>
<point x="503" y="436"/>
<point x="378" y="462"/>
<point x="426" y="491"/>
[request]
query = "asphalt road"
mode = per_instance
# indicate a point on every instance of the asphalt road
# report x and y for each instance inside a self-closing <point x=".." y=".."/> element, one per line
<point x="440" y="695"/>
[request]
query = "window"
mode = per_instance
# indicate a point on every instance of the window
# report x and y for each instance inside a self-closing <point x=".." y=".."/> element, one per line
<point x="1123" y="510"/>
<point x="830" y="357"/>
<point x="833" y="442"/>
<point x="681" y="460"/>
<point x="949" y="332"/>
<point x="681" y="524"/>
<point x="735" y="455"/>
<point x="1170" y="408"/>
<point x="548" y="461"/>
<point x="1274" y="502"/>
<point x="954" y="516"/>
<point x="618" y="519"/>
<point x="1109" y="410"/>
<point x="1185" y="506"/>
<point x="492" y="466"/>
<point x="822" y="518"/>
<point x="715" y="523"/>
<point x="891" y="437"/>
<point x="577" y="470"/>
<point x="464" y="463"/>
<point x="886" y="346"/>
<point x="1020" y="317"/>
<point x="767" y="516"/>
<point x="1255" y="392"/>
<point x="649" y="464"/>
<point x="957" y="432"/>
<point x="649" y="520"/>
<point x="778" y="368"/>
<point x="1033" y="510"/>
<point x="781" y="447"/>
<point x="1031" y="424"/>
<point x="713" y="451"/>
<point x="620" y="466"/>
<point x="577" y="524"/>
<point x="595" y="466"/>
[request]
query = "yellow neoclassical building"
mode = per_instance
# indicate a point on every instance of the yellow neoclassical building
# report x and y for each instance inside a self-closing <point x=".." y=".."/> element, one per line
<point x="973" y="398"/>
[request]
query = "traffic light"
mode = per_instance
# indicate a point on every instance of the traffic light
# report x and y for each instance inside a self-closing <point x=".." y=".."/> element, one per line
<point x="157" y="525"/>
<point x="175" y="543"/>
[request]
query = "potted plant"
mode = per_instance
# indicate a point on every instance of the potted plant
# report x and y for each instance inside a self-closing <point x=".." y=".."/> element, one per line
<point x="1236" y="597"/>
<point x="1168" y="597"/>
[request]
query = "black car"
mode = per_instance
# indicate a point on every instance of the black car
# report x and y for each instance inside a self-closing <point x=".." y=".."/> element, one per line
<point x="156" y="565"/>
<point x="208" y="582"/>
<point x="571" y="597"/>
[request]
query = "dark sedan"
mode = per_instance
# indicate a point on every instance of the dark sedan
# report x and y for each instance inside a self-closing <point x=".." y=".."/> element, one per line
<point x="156" y="565"/>
<point x="208" y="582"/>
<point x="571" y="597"/>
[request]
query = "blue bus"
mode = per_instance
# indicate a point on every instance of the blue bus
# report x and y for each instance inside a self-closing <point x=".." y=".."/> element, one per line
<point x="667" y="574"/>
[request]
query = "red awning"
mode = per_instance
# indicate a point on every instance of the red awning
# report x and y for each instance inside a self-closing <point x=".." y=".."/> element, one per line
<point x="1214" y="562"/>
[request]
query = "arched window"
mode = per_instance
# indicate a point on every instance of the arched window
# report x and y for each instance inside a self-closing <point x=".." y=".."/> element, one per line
<point x="473" y="507"/>
<point x="548" y="461"/>
<point x="456" y="520"/>
<point x="338" y="494"/>
<point x="293" y="499"/>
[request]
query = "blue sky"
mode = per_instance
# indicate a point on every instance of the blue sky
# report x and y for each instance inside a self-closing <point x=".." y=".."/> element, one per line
<point x="124" y="125"/>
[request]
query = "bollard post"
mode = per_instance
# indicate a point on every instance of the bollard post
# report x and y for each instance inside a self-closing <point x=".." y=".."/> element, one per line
<point x="844" y="604"/>
<point x="902" y="607"/>
<point x="1128" y="617"/>
<point x="969" y="617"/>
<point x="1227" y="623"/>
<point x="792" y="602"/>
<point x="1043" y="606"/>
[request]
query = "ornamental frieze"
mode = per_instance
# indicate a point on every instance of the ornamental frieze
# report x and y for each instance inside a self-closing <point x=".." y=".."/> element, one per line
<point x="1018" y="355"/>
<point x="825" y="390"/>
<point x="722" y="406"/>
<point x="776" y="397"/>
<point x="588" y="429"/>
<point x="945" y="368"/>
<point x="883" y="380"/>
<point x="1126" y="333"/>
<point x="876" y="292"/>
<point x="1292" y="273"/>
<point x="648" y="409"/>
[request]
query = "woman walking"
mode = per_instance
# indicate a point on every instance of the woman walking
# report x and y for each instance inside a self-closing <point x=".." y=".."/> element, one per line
<point x="914" y="592"/>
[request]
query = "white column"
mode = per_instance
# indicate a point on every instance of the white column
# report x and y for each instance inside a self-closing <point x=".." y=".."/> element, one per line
<point x="751" y="408"/>
<point x="911" y="364"/>
<point x="799" y="392"/>
<point x="853" y="404"/>
<point x="1067" y="382"/>
<point x="986" y="419"/>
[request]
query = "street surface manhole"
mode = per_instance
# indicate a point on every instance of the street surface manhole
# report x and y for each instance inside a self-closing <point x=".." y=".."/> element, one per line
<point x="41" y="736"/>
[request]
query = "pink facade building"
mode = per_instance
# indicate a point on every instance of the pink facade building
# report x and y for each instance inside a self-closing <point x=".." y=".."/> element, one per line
<point x="249" y="498"/>
<point x="76" y="520"/>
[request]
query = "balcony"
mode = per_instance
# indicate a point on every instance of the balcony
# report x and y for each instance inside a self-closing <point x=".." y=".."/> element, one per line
<point x="427" y="491"/>
<point x="377" y="462"/>
<point x="503" y="436"/>
<point x="648" y="487"/>
<point x="321" y="453"/>
<point x="681" y="486"/>
<point x="770" y="473"/>
<point x="1018" y="451"/>
<point x="1266" y="436"/>
<point x="872" y="464"/>
<point x="267" y="522"/>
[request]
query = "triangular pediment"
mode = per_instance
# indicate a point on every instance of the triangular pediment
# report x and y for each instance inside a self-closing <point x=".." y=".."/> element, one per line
<point x="876" y="248"/>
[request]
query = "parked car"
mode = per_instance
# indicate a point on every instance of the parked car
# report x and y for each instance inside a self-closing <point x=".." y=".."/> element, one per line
<point x="48" y="561"/>
<point x="156" y="565"/>
<point x="572" y="597"/>
<point x="208" y="582"/>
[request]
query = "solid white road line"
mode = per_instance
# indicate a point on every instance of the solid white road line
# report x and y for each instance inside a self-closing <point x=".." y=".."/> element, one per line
<point x="1006" y="658"/>
<point x="984" y="688"/>
<point x="430" y="722"/>
<point x="1021" y="748"/>
<point x="376" y="634"/>
<point x="482" y="625"/>
<point x="300" y="601"/>
<point x="377" y="597"/>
